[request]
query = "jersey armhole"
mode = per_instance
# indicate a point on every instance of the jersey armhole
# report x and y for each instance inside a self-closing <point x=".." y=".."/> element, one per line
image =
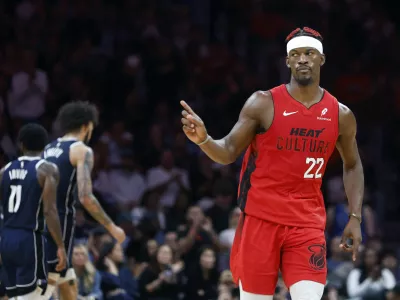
<point x="76" y="144"/>
<point x="7" y="165"/>
<point x="39" y="163"/>
<point x="337" y="117"/>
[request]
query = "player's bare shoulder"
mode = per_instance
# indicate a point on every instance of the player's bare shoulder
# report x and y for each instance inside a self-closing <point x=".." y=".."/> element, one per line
<point x="347" y="120"/>
<point x="46" y="169"/>
<point x="80" y="152"/>
<point x="257" y="101"/>
<point x="260" y="107"/>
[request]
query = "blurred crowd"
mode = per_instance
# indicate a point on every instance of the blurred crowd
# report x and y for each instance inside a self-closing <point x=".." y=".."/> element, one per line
<point x="135" y="59"/>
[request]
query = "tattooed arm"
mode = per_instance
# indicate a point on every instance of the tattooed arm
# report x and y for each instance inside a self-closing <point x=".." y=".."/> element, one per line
<point x="82" y="159"/>
<point x="48" y="176"/>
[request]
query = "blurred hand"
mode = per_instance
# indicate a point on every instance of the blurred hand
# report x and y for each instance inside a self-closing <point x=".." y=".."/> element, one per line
<point x="207" y="225"/>
<point x="117" y="233"/>
<point x="193" y="126"/>
<point x="162" y="276"/>
<point x="62" y="259"/>
<point x="111" y="267"/>
<point x="352" y="231"/>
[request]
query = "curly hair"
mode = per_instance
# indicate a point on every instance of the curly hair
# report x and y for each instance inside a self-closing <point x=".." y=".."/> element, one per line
<point x="73" y="115"/>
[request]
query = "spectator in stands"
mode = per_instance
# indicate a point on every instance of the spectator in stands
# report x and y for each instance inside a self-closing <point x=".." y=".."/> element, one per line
<point x="227" y="289"/>
<point x="202" y="281"/>
<point x="161" y="279"/>
<point x="171" y="239"/>
<point x="83" y="226"/>
<point x="227" y="235"/>
<point x="151" y="250"/>
<point x="224" y="193"/>
<point x="109" y="264"/>
<point x="390" y="262"/>
<point x="88" y="278"/>
<point x="176" y="215"/>
<point x="370" y="280"/>
<point x="337" y="257"/>
<point x="126" y="182"/>
<point x="337" y="217"/>
<point x="130" y="273"/>
<point x="281" y="291"/>
<point x="7" y="145"/>
<point x="339" y="265"/>
<point x="29" y="87"/>
<point x="118" y="141"/>
<point x="394" y="294"/>
<point x="197" y="233"/>
<point x="97" y="238"/>
<point x="167" y="179"/>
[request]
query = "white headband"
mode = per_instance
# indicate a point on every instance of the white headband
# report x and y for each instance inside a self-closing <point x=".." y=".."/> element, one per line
<point x="304" y="42"/>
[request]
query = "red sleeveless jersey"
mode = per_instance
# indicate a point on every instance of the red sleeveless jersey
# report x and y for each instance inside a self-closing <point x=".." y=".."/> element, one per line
<point x="282" y="169"/>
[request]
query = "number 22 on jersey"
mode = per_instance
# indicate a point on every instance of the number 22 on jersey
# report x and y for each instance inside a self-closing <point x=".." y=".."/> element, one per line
<point x="315" y="166"/>
<point x="15" y="198"/>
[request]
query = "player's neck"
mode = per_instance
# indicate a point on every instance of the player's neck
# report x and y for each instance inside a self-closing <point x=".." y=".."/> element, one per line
<point x="72" y="135"/>
<point x="305" y="94"/>
<point x="31" y="153"/>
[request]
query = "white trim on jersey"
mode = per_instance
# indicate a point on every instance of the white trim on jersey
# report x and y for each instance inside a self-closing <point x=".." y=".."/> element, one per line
<point x="38" y="164"/>
<point x="29" y="158"/>
<point x="76" y="144"/>
<point x="41" y="199"/>
<point x="37" y="213"/>
<point x="7" y="165"/>
<point x="66" y="139"/>
<point x="44" y="258"/>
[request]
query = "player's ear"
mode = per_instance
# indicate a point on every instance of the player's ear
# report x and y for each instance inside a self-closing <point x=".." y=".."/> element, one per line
<point x="287" y="62"/>
<point x="323" y="59"/>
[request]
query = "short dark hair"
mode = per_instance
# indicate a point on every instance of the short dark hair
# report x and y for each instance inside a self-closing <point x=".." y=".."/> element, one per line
<point x="73" y="115"/>
<point x="305" y="31"/>
<point x="33" y="137"/>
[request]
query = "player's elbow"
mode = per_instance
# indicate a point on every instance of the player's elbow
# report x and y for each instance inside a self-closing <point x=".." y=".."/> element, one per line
<point x="353" y="164"/>
<point x="231" y="154"/>
<point x="86" y="200"/>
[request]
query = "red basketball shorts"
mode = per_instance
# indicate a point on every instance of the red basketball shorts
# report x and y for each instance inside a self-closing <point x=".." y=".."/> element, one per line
<point x="261" y="249"/>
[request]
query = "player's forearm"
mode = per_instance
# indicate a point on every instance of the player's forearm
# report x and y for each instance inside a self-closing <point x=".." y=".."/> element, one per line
<point x="85" y="192"/>
<point x="53" y="224"/>
<point x="353" y="178"/>
<point x="94" y="208"/>
<point x="219" y="151"/>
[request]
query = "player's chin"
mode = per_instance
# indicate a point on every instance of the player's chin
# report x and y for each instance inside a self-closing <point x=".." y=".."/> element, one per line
<point x="304" y="79"/>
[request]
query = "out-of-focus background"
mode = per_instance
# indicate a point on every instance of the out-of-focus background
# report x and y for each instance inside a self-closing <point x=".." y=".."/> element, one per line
<point x="136" y="59"/>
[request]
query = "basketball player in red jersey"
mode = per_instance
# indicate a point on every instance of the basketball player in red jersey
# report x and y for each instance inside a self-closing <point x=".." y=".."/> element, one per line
<point x="290" y="133"/>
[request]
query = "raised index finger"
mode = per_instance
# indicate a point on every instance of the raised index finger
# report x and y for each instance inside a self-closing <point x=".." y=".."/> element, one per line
<point x="188" y="108"/>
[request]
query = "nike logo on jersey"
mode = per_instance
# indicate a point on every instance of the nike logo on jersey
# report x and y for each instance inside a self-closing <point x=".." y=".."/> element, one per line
<point x="285" y="114"/>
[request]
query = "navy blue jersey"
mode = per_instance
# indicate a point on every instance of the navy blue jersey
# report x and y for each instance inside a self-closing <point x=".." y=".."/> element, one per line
<point x="58" y="153"/>
<point x="22" y="195"/>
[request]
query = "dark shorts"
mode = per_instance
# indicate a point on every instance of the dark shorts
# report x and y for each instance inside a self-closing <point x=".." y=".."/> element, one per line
<point x="24" y="264"/>
<point x="261" y="249"/>
<point x="68" y="228"/>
